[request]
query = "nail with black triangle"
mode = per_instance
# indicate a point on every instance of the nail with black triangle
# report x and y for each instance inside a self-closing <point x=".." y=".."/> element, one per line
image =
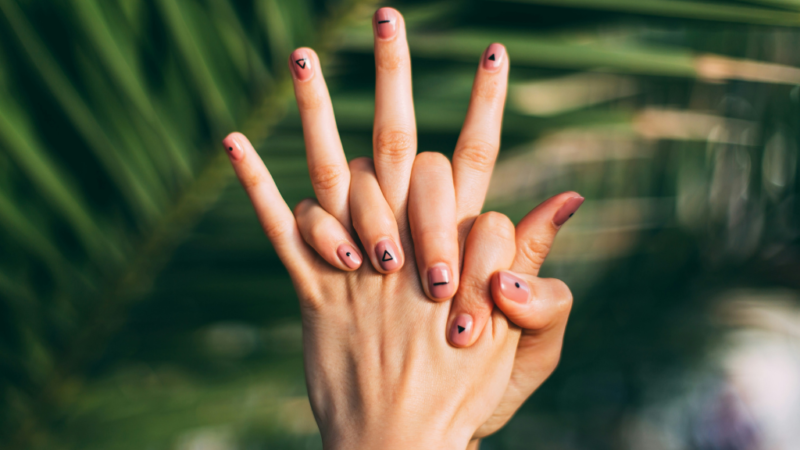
<point x="300" y="62"/>
<point x="493" y="57"/>
<point x="388" y="256"/>
<point x="461" y="330"/>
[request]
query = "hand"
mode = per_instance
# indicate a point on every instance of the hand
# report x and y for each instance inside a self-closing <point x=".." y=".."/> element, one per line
<point x="380" y="371"/>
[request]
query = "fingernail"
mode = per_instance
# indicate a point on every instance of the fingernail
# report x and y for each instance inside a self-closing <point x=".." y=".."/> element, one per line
<point x="567" y="210"/>
<point x="439" y="281"/>
<point x="386" y="23"/>
<point x="514" y="288"/>
<point x="493" y="56"/>
<point x="387" y="253"/>
<point x="461" y="330"/>
<point x="349" y="256"/>
<point x="301" y="65"/>
<point x="234" y="146"/>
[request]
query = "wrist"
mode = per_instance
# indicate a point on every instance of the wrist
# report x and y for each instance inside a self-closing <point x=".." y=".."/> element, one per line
<point x="386" y="439"/>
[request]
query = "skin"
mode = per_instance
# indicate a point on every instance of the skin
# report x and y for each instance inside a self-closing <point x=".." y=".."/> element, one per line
<point x="384" y="366"/>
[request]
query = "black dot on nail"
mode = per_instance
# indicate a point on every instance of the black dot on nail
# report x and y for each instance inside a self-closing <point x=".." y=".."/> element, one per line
<point x="348" y="253"/>
<point x="230" y="149"/>
<point x="516" y="284"/>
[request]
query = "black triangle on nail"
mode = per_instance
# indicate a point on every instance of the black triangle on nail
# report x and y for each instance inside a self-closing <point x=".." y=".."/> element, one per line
<point x="491" y="58"/>
<point x="460" y="329"/>
<point x="387" y="256"/>
<point x="301" y="62"/>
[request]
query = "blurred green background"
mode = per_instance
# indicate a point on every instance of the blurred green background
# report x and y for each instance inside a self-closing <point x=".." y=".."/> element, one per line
<point x="142" y="308"/>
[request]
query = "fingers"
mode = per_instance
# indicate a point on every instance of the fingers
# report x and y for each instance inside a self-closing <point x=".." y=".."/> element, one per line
<point x="373" y="220"/>
<point x="327" y="165"/>
<point x="541" y="307"/>
<point x="479" y="142"/>
<point x="489" y="248"/>
<point x="537" y="230"/>
<point x="432" y="217"/>
<point x="275" y="216"/>
<point x="327" y="236"/>
<point x="395" y="132"/>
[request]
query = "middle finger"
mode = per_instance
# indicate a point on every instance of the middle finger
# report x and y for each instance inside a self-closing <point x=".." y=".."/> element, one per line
<point x="395" y="132"/>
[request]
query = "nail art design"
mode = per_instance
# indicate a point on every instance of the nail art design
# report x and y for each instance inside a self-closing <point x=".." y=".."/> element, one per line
<point x="386" y="23"/>
<point x="513" y="287"/>
<point x="461" y="330"/>
<point x="387" y="253"/>
<point x="349" y="256"/>
<point x="493" y="56"/>
<point x="301" y="65"/>
<point x="567" y="211"/>
<point x="234" y="144"/>
<point x="439" y="281"/>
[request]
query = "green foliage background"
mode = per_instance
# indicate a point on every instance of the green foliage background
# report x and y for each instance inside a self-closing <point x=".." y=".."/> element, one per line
<point x="141" y="307"/>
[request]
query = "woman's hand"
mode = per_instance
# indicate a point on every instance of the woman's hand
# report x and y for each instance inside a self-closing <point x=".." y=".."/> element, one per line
<point x="378" y="365"/>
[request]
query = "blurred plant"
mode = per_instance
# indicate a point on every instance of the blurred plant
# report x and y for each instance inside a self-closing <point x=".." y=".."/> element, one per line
<point x="140" y="306"/>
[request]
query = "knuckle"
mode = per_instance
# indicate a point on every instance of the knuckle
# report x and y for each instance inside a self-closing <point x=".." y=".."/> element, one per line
<point x="251" y="179"/>
<point x="534" y="251"/>
<point x="478" y="155"/>
<point x="277" y="231"/>
<point x="391" y="60"/>
<point x="432" y="159"/>
<point x="362" y="163"/>
<point x="497" y="223"/>
<point x="327" y="176"/>
<point x="396" y="145"/>
<point x="309" y="100"/>
<point x="488" y="90"/>
<point x="562" y="296"/>
<point x="304" y="206"/>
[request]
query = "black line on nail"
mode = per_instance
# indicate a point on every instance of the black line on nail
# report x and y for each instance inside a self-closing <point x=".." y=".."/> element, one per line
<point x="440" y="283"/>
<point x="387" y="256"/>
<point x="383" y="21"/>
<point x="460" y="329"/>
<point x="572" y="214"/>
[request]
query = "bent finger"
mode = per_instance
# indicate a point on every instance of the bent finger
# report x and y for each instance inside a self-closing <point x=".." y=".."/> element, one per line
<point x="274" y="215"/>
<point x="327" y="165"/>
<point x="327" y="236"/>
<point x="432" y="217"/>
<point x="541" y="308"/>
<point x="489" y="248"/>
<point x="373" y="219"/>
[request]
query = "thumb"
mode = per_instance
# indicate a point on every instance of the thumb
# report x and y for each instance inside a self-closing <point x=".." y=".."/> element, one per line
<point x="540" y="306"/>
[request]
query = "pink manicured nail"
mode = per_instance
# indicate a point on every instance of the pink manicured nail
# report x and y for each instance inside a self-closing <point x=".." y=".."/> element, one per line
<point x="301" y="64"/>
<point x="234" y="144"/>
<point x="349" y="256"/>
<point x="439" y="281"/>
<point x="387" y="253"/>
<point x="461" y="330"/>
<point x="493" y="56"/>
<point x="567" y="210"/>
<point x="514" y="288"/>
<point x="386" y="23"/>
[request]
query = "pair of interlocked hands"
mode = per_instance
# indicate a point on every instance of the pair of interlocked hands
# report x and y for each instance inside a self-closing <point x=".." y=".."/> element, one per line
<point x="424" y="322"/>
